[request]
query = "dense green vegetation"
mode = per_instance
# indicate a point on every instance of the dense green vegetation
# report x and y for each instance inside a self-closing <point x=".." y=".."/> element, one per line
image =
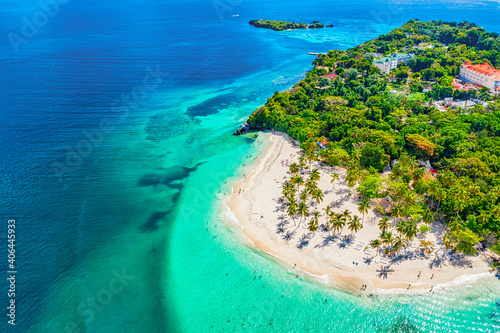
<point x="283" y="25"/>
<point x="367" y="126"/>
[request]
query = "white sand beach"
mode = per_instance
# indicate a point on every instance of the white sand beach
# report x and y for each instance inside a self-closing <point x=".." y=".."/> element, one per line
<point x="256" y="218"/>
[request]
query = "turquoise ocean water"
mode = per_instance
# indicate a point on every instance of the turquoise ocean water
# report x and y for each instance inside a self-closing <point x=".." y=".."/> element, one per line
<point x="120" y="229"/>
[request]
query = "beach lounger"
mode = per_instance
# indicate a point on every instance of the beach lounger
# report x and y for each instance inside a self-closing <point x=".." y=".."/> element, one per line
<point x="368" y="252"/>
<point x="377" y="261"/>
<point x="384" y="261"/>
<point x="358" y="247"/>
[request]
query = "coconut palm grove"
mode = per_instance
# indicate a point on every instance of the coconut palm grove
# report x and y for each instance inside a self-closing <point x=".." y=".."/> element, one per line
<point x="402" y="135"/>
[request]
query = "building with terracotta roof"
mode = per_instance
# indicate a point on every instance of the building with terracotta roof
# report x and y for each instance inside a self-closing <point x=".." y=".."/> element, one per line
<point x="483" y="74"/>
<point x="330" y="76"/>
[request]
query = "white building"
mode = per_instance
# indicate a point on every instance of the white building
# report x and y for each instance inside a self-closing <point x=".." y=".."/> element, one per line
<point x="386" y="64"/>
<point x="484" y="75"/>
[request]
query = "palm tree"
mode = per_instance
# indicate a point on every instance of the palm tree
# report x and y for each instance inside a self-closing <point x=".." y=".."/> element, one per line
<point x="364" y="207"/>
<point x="418" y="174"/>
<point x="304" y="195"/>
<point x="352" y="176"/>
<point x="313" y="225"/>
<point x="483" y="218"/>
<point x="397" y="211"/>
<point x="447" y="178"/>
<point x="335" y="177"/>
<point x="411" y="230"/>
<point x="354" y="224"/>
<point x="302" y="211"/>
<point x="330" y="221"/>
<point x="386" y="237"/>
<point x="495" y="211"/>
<point x="398" y="243"/>
<point x="400" y="227"/>
<point x="311" y="187"/>
<point x="461" y="197"/>
<point x="447" y="242"/>
<point x="292" y="209"/>
<point x="288" y="189"/>
<point x="309" y="145"/>
<point x="297" y="180"/>
<point x="337" y="222"/>
<point x="314" y="175"/>
<point x="290" y="196"/>
<point x="409" y="197"/>
<point x="345" y="216"/>
<point x="455" y="225"/>
<point x="318" y="195"/>
<point x="375" y="244"/>
<point x="434" y="187"/>
<point x="384" y="224"/>
<point x="427" y="216"/>
<point x="294" y="168"/>
<point x="328" y="210"/>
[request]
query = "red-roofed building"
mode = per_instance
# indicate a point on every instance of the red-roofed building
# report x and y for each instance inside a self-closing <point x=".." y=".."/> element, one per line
<point x="330" y="76"/>
<point x="483" y="74"/>
<point x="456" y="85"/>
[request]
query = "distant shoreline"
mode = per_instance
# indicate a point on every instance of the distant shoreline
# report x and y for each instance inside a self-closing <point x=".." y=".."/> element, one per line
<point x="328" y="265"/>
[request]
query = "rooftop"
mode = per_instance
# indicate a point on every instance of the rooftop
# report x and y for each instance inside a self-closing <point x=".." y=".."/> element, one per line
<point x="394" y="56"/>
<point x="484" y="69"/>
<point x="330" y="76"/>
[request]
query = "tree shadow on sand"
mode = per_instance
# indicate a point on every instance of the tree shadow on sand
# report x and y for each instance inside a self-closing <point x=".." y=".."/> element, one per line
<point x="304" y="240"/>
<point x="327" y="241"/>
<point x="384" y="271"/>
<point x="282" y="225"/>
<point x="288" y="235"/>
<point x="368" y="260"/>
<point x="437" y="262"/>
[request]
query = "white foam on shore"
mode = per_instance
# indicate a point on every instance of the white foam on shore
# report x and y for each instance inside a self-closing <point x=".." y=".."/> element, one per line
<point x="462" y="280"/>
<point x="233" y="220"/>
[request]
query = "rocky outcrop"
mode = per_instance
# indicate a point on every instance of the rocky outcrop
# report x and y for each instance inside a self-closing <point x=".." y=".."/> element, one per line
<point x="245" y="128"/>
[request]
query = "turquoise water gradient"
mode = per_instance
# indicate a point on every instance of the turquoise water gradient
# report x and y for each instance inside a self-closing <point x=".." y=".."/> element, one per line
<point x="132" y="239"/>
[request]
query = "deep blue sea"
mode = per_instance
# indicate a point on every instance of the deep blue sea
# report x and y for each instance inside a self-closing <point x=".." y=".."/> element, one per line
<point x="115" y="150"/>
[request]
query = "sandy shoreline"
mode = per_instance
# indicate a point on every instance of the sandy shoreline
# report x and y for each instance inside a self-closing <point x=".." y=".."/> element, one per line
<point x="254" y="216"/>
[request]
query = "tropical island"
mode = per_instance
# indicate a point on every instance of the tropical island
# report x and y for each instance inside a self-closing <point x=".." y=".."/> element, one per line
<point x="283" y="25"/>
<point x="383" y="165"/>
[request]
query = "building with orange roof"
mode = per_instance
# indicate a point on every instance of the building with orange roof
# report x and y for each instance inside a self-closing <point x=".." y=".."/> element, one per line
<point x="483" y="74"/>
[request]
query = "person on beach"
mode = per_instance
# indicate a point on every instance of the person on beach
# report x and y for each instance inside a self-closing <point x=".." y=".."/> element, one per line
<point x="408" y="287"/>
<point x="432" y="276"/>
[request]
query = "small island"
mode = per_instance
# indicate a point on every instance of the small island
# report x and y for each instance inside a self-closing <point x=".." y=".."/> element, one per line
<point x="283" y="25"/>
